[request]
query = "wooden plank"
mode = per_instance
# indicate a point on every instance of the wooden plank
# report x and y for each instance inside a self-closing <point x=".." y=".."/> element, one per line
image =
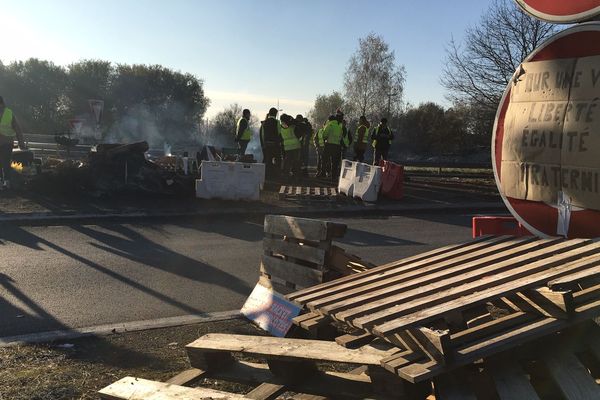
<point x="355" y="339"/>
<point x="290" y="272"/>
<point x="587" y="295"/>
<point x="187" y="377"/>
<point x="446" y="252"/>
<point x="303" y="252"/>
<point x="573" y="379"/>
<point x="130" y="388"/>
<point x="492" y="286"/>
<point x="571" y="280"/>
<point x="510" y="380"/>
<point x="303" y="228"/>
<point x="286" y="349"/>
<point x="411" y="285"/>
<point x="437" y="292"/>
<point x="266" y="391"/>
<point x="489" y="328"/>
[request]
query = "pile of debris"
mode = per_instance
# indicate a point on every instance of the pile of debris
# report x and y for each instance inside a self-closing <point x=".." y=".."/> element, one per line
<point x="115" y="168"/>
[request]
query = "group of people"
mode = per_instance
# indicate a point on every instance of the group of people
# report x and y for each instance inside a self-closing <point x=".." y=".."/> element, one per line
<point x="285" y="143"/>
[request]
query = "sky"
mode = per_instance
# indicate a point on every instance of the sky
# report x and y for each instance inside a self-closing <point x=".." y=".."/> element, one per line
<point x="254" y="53"/>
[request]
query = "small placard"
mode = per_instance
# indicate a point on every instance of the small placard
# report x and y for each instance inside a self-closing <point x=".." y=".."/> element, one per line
<point x="269" y="310"/>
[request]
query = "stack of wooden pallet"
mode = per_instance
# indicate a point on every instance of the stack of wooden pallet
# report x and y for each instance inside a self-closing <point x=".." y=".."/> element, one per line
<point x="308" y="193"/>
<point x="453" y="306"/>
<point x="298" y="252"/>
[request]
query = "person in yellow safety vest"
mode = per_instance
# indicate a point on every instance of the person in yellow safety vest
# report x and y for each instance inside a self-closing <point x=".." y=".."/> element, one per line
<point x="291" y="148"/>
<point x="332" y="134"/>
<point x="361" y="139"/>
<point x="243" y="133"/>
<point x="10" y="129"/>
<point x="382" y="141"/>
<point x="319" y="143"/>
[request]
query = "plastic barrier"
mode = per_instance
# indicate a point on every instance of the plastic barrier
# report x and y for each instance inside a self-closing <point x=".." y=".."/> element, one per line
<point x="230" y="181"/>
<point x="367" y="182"/>
<point x="347" y="178"/>
<point x="392" y="180"/>
<point x="489" y="225"/>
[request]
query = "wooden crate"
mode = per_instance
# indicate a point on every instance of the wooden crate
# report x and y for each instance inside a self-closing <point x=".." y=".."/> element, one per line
<point x="296" y="250"/>
<point x="434" y="306"/>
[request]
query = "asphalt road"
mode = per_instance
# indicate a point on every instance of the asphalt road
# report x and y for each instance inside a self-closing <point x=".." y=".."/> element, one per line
<point x="61" y="277"/>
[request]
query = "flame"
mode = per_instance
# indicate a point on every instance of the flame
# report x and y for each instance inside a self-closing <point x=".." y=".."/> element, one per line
<point x="17" y="166"/>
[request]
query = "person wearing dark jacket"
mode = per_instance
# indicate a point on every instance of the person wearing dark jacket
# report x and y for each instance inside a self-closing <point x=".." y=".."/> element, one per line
<point x="270" y="139"/>
<point x="382" y="141"/>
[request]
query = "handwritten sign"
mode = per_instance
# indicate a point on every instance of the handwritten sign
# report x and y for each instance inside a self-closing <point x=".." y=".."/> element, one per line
<point x="270" y="311"/>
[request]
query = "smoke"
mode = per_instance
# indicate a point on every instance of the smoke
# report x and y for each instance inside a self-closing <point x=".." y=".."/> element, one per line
<point x="255" y="148"/>
<point x="157" y="125"/>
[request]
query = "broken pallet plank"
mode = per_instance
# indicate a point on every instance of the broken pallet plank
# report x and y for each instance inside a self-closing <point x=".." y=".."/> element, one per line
<point x="286" y="349"/>
<point x="303" y="228"/>
<point x="131" y="388"/>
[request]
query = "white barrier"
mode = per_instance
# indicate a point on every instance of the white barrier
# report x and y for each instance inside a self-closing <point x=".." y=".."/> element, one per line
<point x="368" y="182"/>
<point x="360" y="180"/>
<point x="347" y="178"/>
<point x="230" y="181"/>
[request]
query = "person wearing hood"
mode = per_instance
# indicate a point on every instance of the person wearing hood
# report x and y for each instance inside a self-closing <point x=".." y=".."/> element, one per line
<point x="270" y="140"/>
<point x="361" y="139"/>
<point x="382" y="141"/>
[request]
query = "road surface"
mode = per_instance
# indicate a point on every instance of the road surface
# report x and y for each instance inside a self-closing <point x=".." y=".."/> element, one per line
<point x="62" y="277"/>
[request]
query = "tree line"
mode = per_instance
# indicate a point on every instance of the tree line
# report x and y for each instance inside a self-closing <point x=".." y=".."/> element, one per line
<point x="476" y="72"/>
<point x="137" y="98"/>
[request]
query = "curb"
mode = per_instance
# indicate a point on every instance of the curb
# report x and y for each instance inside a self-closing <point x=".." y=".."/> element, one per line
<point x="24" y="218"/>
<point x="120" y="327"/>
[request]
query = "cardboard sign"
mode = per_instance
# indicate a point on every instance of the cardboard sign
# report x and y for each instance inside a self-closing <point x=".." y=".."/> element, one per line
<point x="269" y="310"/>
<point x="552" y="133"/>
<point x="547" y="137"/>
<point x="561" y="11"/>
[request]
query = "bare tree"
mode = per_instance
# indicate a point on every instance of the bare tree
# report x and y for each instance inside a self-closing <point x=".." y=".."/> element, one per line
<point x="478" y="70"/>
<point x="373" y="82"/>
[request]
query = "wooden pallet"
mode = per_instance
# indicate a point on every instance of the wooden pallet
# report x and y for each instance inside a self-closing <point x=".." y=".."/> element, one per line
<point x="307" y="193"/>
<point x="298" y="252"/>
<point x="297" y="365"/>
<point x="422" y="304"/>
<point x="565" y="366"/>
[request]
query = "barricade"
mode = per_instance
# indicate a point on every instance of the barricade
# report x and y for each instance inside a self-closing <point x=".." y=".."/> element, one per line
<point x="367" y="182"/>
<point x="347" y="178"/>
<point x="501" y="225"/>
<point x="230" y="181"/>
<point x="392" y="180"/>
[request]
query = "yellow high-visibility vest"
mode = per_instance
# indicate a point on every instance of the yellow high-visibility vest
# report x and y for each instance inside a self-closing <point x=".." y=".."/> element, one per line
<point x="290" y="141"/>
<point x="247" y="135"/>
<point x="6" y="121"/>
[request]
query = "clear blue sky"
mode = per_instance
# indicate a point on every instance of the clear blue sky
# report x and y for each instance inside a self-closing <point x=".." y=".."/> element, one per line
<point x="250" y="52"/>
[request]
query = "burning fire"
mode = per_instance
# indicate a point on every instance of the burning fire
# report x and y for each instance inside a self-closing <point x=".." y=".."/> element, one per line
<point x="17" y="166"/>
